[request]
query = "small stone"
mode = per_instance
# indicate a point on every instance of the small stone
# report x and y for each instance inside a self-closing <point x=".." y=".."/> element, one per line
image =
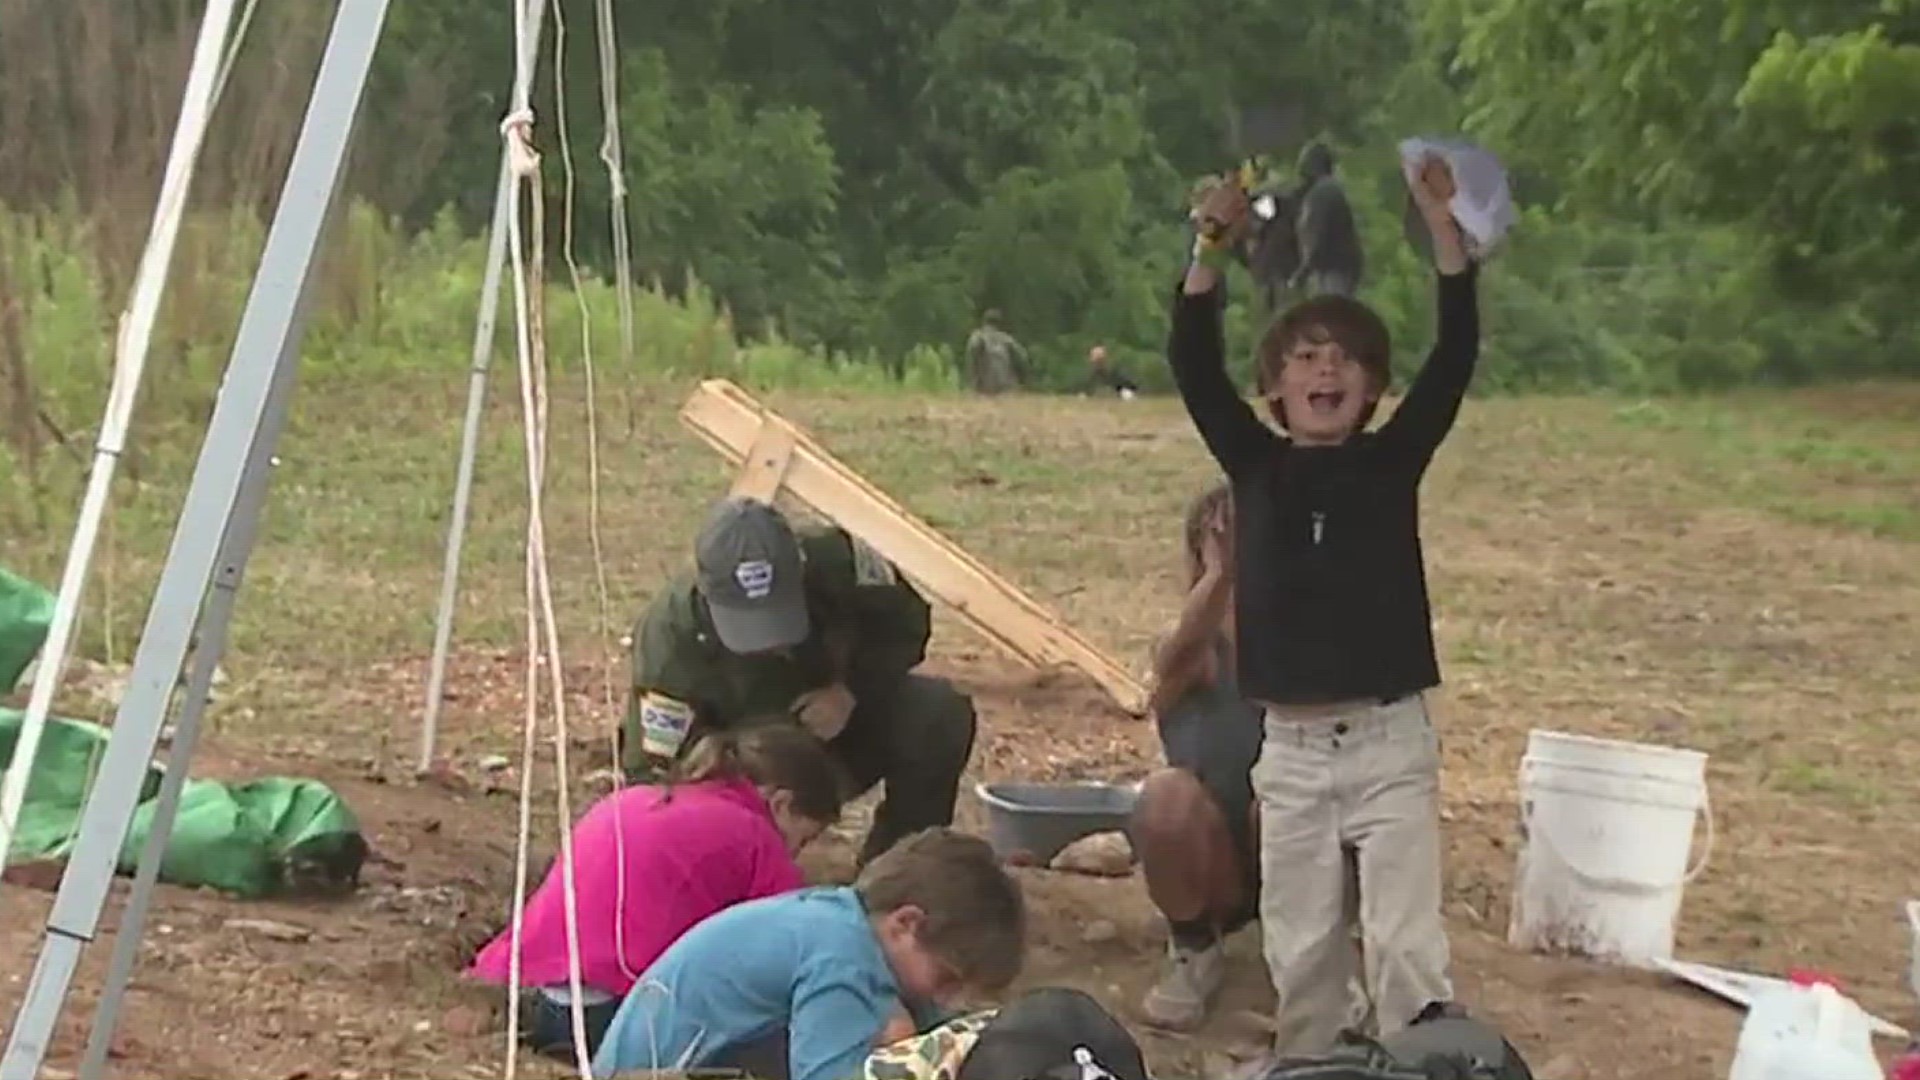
<point x="1564" y="1067"/>
<point x="494" y="763"/>
<point x="1104" y="854"/>
<point x="443" y="775"/>
<point x="268" y="928"/>
<point x="465" y="1021"/>
<point x="1099" y="932"/>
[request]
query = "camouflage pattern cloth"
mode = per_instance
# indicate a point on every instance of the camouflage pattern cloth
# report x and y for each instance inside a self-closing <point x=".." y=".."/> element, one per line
<point x="996" y="362"/>
<point x="931" y="1055"/>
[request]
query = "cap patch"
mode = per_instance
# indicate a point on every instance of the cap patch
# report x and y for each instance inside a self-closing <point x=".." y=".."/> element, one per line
<point x="755" y="577"/>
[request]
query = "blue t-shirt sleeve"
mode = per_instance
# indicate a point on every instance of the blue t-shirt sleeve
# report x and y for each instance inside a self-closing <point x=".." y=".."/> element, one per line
<point x="639" y="1036"/>
<point x="834" y="1025"/>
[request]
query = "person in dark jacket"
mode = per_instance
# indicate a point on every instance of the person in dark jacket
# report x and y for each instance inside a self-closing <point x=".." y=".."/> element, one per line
<point x="814" y="627"/>
<point x="1104" y="378"/>
<point x="1329" y="240"/>
<point x="1335" y="637"/>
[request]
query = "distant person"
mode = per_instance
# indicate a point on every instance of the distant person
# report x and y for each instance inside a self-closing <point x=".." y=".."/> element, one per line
<point x="813" y="627"/>
<point x="651" y="861"/>
<point x="996" y="362"/>
<point x="1272" y="246"/>
<point x="1331" y="260"/>
<point x="806" y="985"/>
<point x="1104" y="378"/>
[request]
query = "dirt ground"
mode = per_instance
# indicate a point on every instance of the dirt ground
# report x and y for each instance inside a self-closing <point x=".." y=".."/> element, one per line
<point x="1749" y="589"/>
<point x="366" y="987"/>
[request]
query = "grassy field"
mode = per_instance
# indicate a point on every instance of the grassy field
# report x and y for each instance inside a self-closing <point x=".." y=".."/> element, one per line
<point x="1737" y="574"/>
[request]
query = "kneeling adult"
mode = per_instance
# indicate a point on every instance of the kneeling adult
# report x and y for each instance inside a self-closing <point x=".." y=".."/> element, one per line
<point x="815" y="625"/>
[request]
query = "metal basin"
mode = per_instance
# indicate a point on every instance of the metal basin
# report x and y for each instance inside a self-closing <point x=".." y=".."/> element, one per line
<point x="1029" y="824"/>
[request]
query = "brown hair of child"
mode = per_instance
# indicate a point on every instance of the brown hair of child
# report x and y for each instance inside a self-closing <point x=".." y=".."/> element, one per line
<point x="973" y="917"/>
<point x="1343" y="320"/>
<point x="779" y="755"/>
<point x="1200" y="513"/>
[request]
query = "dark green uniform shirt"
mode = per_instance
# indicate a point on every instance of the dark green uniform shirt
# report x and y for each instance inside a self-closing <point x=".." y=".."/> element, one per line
<point x="855" y="597"/>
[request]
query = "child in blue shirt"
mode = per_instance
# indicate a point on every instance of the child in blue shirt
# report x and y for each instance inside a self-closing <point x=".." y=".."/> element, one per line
<point x="804" y="985"/>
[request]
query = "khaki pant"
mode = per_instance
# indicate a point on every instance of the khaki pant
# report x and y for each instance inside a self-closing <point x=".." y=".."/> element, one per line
<point x="1350" y="793"/>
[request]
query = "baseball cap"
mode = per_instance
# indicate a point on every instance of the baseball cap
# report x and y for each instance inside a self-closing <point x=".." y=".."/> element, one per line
<point x="1053" y="1033"/>
<point x="751" y="574"/>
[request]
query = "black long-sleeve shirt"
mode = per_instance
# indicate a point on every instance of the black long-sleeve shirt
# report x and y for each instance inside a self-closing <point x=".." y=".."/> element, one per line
<point x="1331" y="590"/>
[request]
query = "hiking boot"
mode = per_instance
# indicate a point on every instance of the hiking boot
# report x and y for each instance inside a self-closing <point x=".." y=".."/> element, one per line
<point x="1186" y="985"/>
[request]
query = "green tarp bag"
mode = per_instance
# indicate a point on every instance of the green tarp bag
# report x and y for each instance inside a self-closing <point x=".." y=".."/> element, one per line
<point x="26" y="612"/>
<point x="255" y="839"/>
<point x="70" y="752"/>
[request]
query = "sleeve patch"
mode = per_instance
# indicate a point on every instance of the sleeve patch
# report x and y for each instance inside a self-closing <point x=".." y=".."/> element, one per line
<point x="664" y="723"/>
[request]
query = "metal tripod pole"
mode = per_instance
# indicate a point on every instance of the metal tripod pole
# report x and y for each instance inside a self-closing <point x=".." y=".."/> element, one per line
<point x="268" y="340"/>
<point x="215" y="621"/>
<point x="483" y="334"/>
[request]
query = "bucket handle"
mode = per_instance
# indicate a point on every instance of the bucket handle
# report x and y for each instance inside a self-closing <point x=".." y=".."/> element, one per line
<point x="1623" y="885"/>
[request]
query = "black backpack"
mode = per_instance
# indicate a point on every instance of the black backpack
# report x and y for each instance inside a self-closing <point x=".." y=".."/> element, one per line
<point x="1443" y="1043"/>
<point x="1053" y="1034"/>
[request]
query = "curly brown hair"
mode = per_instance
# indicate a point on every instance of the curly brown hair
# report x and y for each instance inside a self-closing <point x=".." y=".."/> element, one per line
<point x="1199" y="512"/>
<point x="1343" y="320"/>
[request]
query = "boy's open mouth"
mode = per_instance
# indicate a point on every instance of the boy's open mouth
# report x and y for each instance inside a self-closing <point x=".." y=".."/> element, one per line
<point x="1326" y="402"/>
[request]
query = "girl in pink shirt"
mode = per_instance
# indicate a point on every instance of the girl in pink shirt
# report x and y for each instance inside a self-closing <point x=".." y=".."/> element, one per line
<point x="651" y="861"/>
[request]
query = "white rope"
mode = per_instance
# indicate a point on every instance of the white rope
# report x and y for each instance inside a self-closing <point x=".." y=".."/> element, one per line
<point x="542" y="625"/>
<point x="614" y="158"/>
<point x="610" y="155"/>
<point x="603" y="596"/>
<point x="132" y="340"/>
<point x="233" y="53"/>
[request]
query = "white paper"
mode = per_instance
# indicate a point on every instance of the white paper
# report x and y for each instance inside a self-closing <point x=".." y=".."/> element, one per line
<point x="1482" y="204"/>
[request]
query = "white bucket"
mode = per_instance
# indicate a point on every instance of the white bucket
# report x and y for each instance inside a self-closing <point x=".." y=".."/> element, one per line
<point x="1607" y="826"/>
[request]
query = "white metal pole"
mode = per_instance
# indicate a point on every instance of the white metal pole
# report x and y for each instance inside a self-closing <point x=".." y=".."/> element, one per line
<point x="266" y="346"/>
<point x="483" y="334"/>
<point x="215" y="622"/>
<point x="130" y="361"/>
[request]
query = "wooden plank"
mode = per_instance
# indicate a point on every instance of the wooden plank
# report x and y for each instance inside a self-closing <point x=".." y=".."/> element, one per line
<point x="765" y="468"/>
<point x="733" y="423"/>
<point x="738" y="407"/>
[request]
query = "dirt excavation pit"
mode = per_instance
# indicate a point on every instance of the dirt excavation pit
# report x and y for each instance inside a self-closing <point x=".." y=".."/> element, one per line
<point x="368" y="986"/>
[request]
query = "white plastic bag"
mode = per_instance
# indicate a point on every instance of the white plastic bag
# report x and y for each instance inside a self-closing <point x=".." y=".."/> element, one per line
<point x="1482" y="204"/>
<point x="1913" y="946"/>
<point x="1806" y="1032"/>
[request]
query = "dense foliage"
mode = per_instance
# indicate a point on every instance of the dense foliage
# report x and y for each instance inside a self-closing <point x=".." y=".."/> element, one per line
<point x="1718" y="192"/>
